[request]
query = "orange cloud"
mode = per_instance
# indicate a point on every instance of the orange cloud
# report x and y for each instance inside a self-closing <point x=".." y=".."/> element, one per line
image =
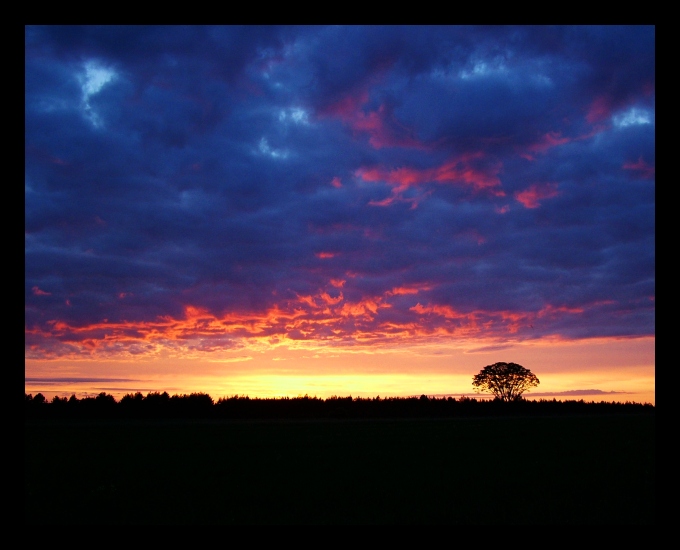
<point x="330" y="300"/>
<point x="444" y="311"/>
<point x="407" y="289"/>
<point x="363" y="308"/>
<point x="307" y="322"/>
<point x="307" y="300"/>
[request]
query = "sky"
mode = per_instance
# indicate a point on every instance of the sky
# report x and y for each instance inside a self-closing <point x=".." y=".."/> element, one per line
<point x="339" y="210"/>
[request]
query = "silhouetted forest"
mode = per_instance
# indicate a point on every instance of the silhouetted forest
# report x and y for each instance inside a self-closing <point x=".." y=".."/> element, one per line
<point x="201" y="405"/>
<point x="155" y="459"/>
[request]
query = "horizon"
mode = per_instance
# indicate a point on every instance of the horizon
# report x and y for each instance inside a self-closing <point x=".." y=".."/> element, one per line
<point x="339" y="210"/>
<point x="564" y="397"/>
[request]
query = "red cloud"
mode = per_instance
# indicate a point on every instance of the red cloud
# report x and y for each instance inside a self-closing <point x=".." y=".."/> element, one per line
<point x="325" y="255"/>
<point x="530" y="197"/>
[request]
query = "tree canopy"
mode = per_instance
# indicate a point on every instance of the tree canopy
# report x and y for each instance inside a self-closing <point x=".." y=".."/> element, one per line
<point x="507" y="381"/>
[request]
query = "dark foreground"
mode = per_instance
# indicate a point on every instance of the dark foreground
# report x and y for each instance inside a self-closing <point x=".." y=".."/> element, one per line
<point x="514" y="470"/>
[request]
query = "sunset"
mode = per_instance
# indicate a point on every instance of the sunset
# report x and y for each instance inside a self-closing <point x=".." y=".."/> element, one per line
<point x="339" y="275"/>
<point x="334" y="211"/>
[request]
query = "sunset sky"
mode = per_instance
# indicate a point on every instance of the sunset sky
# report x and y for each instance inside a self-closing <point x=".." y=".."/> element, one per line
<point x="339" y="210"/>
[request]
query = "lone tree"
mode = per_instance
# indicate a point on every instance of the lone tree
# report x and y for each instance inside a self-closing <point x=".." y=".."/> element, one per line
<point x="507" y="381"/>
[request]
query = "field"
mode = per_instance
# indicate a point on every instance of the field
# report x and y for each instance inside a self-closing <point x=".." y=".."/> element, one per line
<point x="508" y="470"/>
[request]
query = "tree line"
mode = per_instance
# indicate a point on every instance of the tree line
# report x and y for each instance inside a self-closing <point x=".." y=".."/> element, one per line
<point x="200" y="405"/>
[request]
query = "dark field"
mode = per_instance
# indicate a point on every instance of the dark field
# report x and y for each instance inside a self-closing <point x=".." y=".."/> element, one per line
<point x="513" y="470"/>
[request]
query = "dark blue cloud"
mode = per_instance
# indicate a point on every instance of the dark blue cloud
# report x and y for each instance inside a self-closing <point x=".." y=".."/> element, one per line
<point x="225" y="168"/>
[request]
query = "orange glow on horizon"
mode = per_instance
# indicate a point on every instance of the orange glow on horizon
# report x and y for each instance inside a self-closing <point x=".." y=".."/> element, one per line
<point x="622" y="366"/>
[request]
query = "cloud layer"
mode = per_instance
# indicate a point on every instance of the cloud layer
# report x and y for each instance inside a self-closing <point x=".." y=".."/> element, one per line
<point x="210" y="188"/>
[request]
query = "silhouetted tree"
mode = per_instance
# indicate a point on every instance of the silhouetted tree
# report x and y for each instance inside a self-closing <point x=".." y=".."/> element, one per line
<point x="130" y="399"/>
<point x="107" y="398"/>
<point x="157" y="398"/>
<point x="507" y="381"/>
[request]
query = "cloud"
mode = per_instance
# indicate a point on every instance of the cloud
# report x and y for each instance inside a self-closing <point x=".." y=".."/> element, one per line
<point x="641" y="167"/>
<point x="39" y="292"/>
<point x="531" y="196"/>
<point x="341" y="185"/>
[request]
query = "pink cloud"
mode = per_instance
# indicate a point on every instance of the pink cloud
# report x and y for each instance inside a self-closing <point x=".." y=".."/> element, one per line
<point x="645" y="170"/>
<point x="335" y="182"/>
<point x="554" y="139"/>
<point x="547" y="141"/>
<point x="464" y="170"/>
<point x="382" y="127"/>
<point x="530" y="197"/>
<point x="39" y="292"/>
<point x="396" y="196"/>
<point x="599" y="110"/>
<point x="551" y="310"/>
<point x="346" y="107"/>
